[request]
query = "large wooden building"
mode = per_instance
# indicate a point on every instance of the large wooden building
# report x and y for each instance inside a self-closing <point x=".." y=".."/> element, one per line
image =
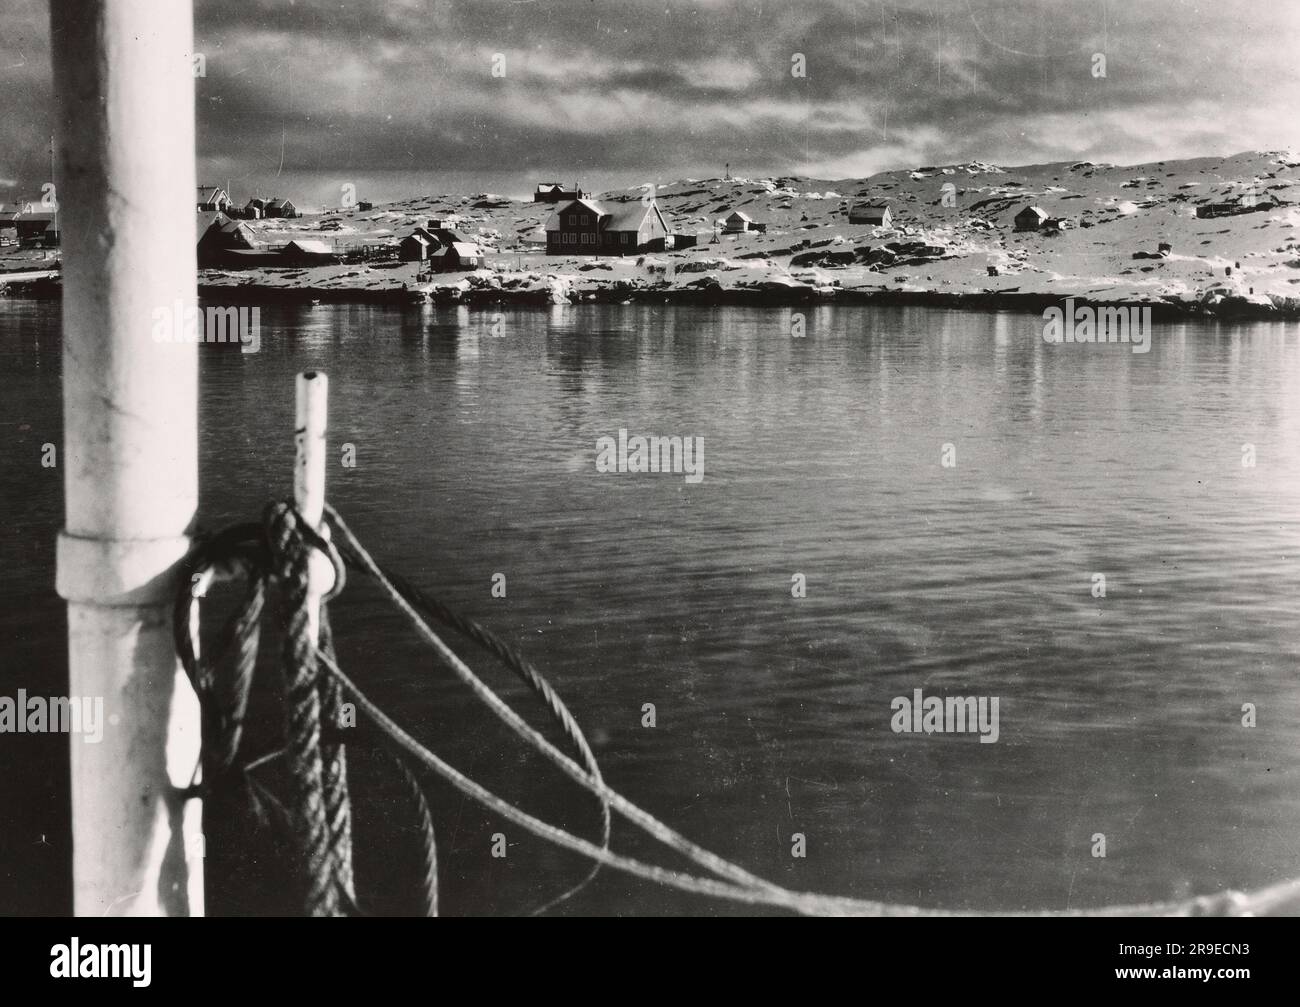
<point x="587" y="227"/>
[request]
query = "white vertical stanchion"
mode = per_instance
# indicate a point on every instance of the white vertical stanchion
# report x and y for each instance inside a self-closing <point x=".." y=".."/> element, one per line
<point x="311" y="415"/>
<point x="124" y="92"/>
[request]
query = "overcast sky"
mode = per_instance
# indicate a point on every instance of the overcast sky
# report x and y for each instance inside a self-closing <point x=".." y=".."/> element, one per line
<point x="399" y="97"/>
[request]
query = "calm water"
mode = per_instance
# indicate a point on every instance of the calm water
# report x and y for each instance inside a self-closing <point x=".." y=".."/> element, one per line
<point x="475" y="455"/>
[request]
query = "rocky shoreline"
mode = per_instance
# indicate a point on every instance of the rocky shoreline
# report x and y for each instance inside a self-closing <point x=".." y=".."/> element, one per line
<point x="560" y="290"/>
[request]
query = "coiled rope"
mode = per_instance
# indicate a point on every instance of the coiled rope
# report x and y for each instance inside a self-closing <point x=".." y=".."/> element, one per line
<point x="730" y="881"/>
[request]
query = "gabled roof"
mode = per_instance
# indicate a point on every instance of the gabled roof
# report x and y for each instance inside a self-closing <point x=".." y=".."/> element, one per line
<point x="203" y="219"/>
<point x="310" y="246"/>
<point x="207" y="193"/>
<point x="631" y="215"/>
<point x="590" y="205"/>
<point x="280" y="202"/>
<point x="1038" y="211"/>
<point x="741" y="214"/>
<point x="420" y="234"/>
<point x="463" y="249"/>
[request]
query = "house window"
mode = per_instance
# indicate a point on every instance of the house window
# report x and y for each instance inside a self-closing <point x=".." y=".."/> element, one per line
<point x="584" y="220"/>
<point x="623" y="237"/>
<point x="573" y="219"/>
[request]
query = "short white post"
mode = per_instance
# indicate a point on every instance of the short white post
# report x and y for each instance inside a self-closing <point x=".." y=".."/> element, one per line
<point x="124" y="100"/>
<point x="311" y="401"/>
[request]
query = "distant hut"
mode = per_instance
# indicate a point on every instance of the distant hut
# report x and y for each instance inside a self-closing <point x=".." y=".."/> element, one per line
<point x="281" y="208"/>
<point x="737" y="222"/>
<point x="459" y="256"/>
<point x="213" y="198"/>
<point x="223" y="236"/>
<point x="416" y="246"/>
<point x="554" y="192"/>
<point x="1031" y="218"/>
<point x="873" y="212"/>
<point x="309" y="252"/>
<point x="32" y="228"/>
<point x="364" y="206"/>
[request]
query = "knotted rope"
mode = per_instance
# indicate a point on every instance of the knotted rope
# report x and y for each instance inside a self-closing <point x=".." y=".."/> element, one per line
<point x="225" y="703"/>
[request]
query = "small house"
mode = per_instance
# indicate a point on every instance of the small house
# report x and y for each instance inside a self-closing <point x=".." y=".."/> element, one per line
<point x="255" y="208"/>
<point x="873" y="212"/>
<point x="459" y="256"/>
<point x="365" y="206"/>
<point x="213" y="197"/>
<point x="223" y="236"/>
<point x="309" y="252"/>
<point x="280" y="208"/>
<point x="32" y="228"/>
<point x="554" y="192"/>
<point x="737" y="222"/>
<point x="417" y="246"/>
<point x="1031" y="218"/>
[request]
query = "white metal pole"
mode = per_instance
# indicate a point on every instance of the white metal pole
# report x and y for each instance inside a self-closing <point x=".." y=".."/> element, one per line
<point x="124" y="91"/>
<point x="311" y="402"/>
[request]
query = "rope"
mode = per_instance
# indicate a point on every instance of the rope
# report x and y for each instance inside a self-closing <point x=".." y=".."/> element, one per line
<point x="319" y="770"/>
<point x="745" y="887"/>
<point x="322" y="871"/>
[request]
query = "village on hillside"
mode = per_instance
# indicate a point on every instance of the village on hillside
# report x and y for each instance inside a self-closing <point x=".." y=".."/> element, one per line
<point x="1207" y="234"/>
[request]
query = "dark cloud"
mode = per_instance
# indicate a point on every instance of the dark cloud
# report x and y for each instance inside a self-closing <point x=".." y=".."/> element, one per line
<point x="622" y="88"/>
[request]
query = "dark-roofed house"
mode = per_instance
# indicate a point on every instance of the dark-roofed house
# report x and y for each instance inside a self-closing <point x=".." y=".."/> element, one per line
<point x="874" y="212"/>
<point x="203" y="219"/>
<point x="1031" y="218"/>
<point x="309" y="252"/>
<point x="554" y="192"/>
<point x="455" y="257"/>
<point x="34" y="229"/>
<point x="574" y="229"/>
<point x="213" y="198"/>
<point x="585" y="227"/>
<point x="221" y="237"/>
<point x="416" y="246"/>
<point x="255" y="208"/>
<point x="280" y="208"/>
<point x="634" y="226"/>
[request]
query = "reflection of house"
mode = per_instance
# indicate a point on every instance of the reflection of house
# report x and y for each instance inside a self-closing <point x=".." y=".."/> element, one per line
<point x="586" y="227"/>
<point x="554" y="192"/>
<point x="213" y="198"/>
<point x="1031" y="218"/>
<point x="875" y="212"/>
